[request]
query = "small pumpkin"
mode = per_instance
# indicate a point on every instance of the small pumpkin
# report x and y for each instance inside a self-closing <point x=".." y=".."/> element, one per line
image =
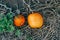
<point x="19" y="20"/>
<point x="35" y="20"/>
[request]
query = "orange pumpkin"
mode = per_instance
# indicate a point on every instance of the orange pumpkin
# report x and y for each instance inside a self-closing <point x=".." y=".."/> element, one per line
<point x="35" y="20"/>
<point x="19" y="20"/>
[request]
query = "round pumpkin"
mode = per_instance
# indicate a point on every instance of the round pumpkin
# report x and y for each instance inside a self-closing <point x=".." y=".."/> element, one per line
<point x="35" y="20"/>
<point x="19" y="20"/>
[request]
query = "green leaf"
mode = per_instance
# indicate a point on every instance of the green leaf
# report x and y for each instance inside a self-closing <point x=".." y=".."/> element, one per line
<point x="18" y="32"/>
<point x="11" y="21"/>
<point x="29" y="37"/>
<point x="6" y="22"/>
<point x="9" y="15"/>
<point x="10" y="28"/>
<point x="1" y="28"/>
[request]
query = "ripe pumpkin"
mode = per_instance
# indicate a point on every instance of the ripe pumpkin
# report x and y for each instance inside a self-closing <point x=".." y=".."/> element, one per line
<point x="35" y="20"/>
<point x="19" y="20"/>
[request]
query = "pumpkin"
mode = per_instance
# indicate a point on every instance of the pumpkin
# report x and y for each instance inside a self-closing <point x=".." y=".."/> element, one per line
<point x="35" y="20"/>
<point x="19" y="20"/>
